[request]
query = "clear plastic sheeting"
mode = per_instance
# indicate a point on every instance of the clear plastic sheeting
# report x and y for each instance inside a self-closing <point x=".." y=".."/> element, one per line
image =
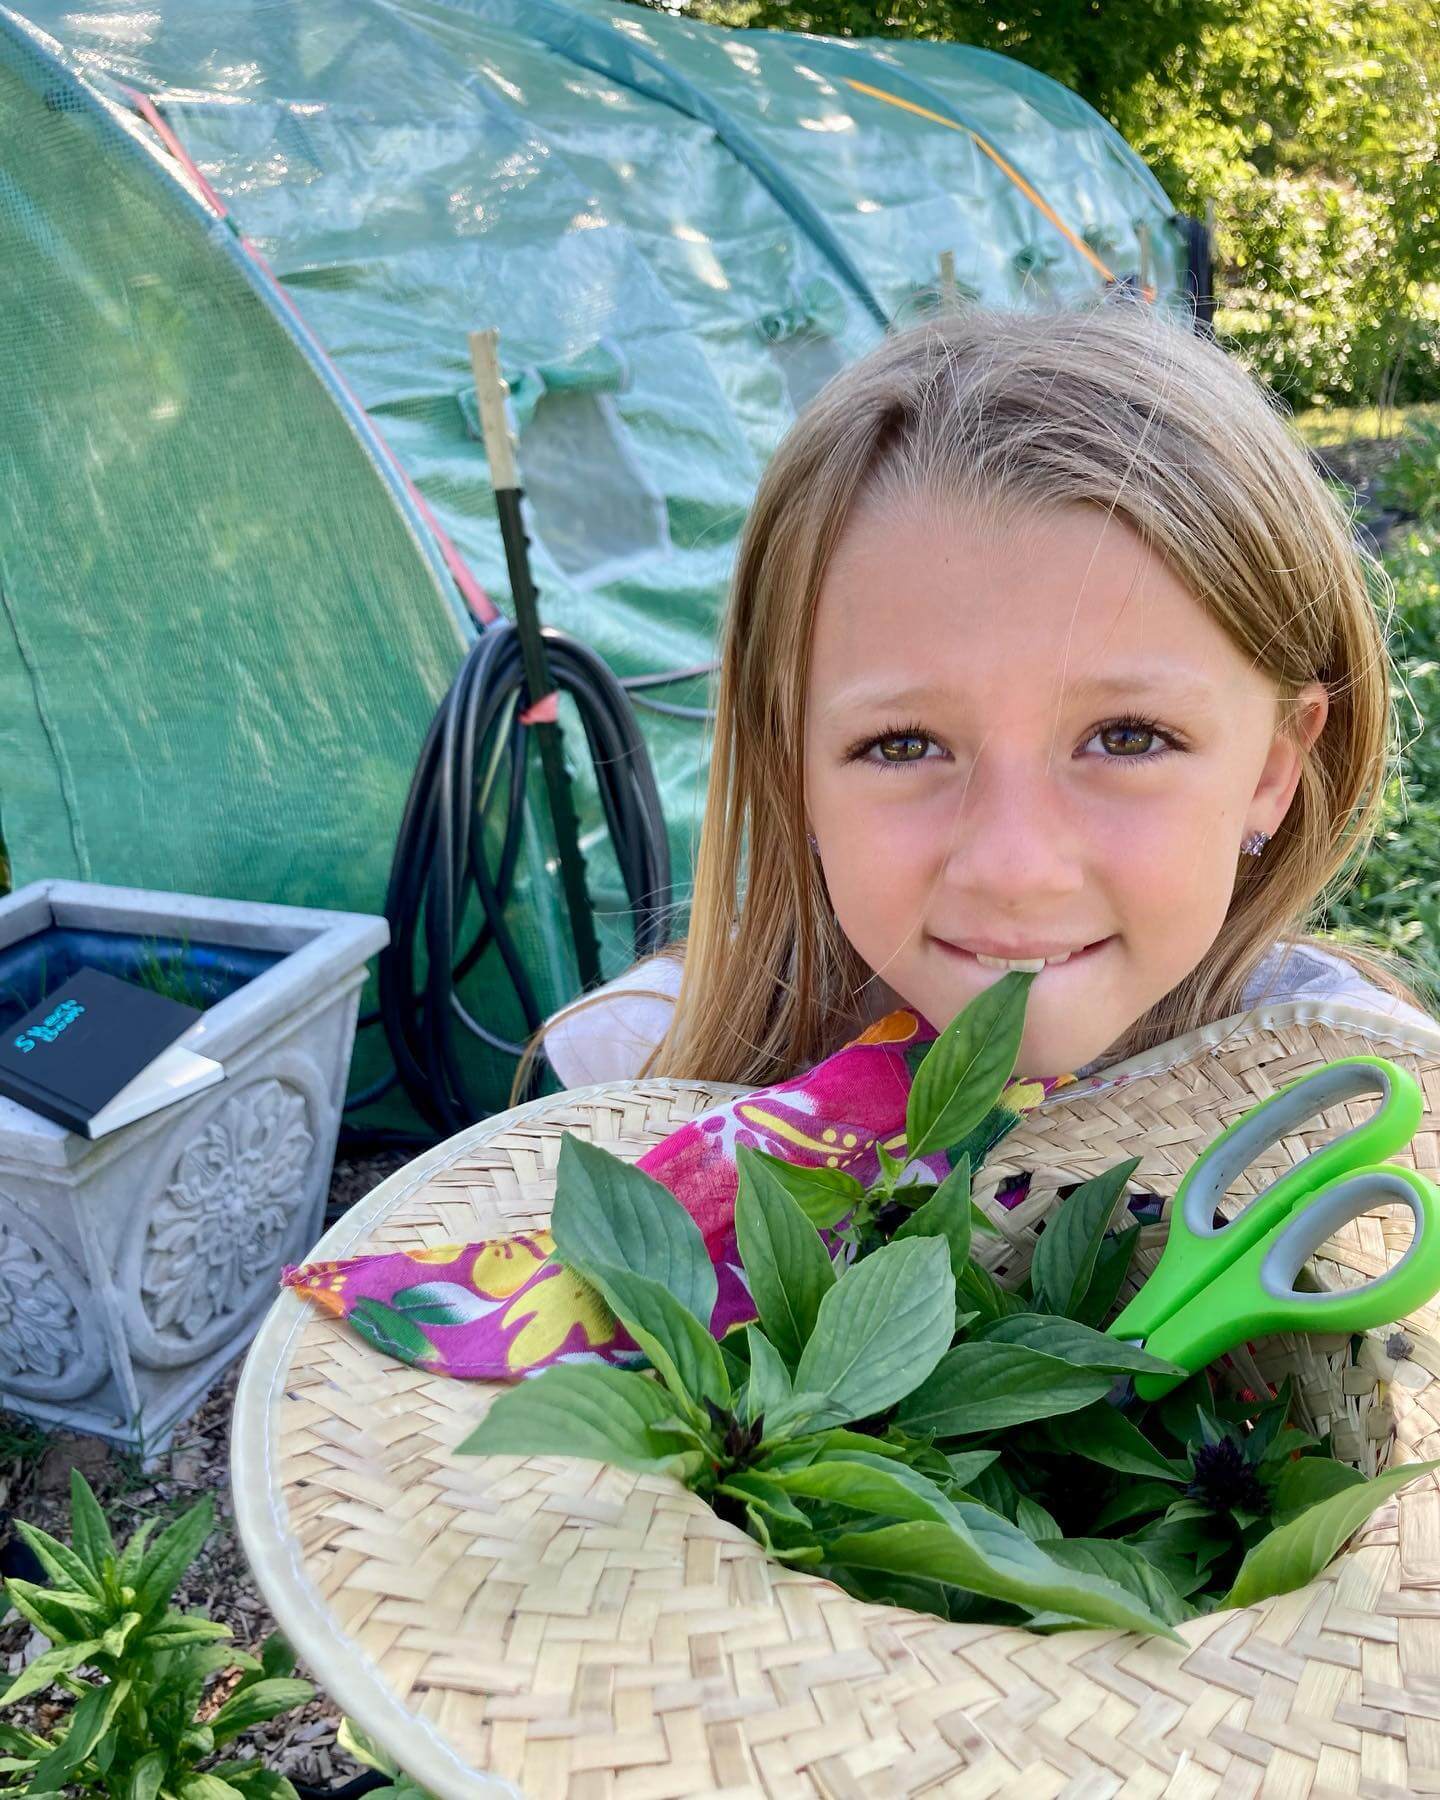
<point x="242" y="246"/>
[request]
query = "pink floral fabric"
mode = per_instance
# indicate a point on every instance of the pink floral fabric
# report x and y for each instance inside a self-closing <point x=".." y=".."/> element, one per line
<point x="506" y="1308"/>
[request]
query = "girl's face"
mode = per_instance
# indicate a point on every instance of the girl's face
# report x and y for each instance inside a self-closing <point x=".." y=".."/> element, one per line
<point x="1030" y="739"/>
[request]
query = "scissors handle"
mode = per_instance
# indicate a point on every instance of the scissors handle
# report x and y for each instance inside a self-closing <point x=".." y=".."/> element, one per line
<point x="1198" y="1251"/>
<point x="1256" y="1295"/>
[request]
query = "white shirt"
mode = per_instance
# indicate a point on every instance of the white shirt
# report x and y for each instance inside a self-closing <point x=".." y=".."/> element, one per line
<point x="610" y="1039"/>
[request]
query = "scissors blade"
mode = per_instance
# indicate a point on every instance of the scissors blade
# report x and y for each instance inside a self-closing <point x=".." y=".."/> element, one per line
<point x="1122" y="1395"/>
<point x="1122" y="1392"/>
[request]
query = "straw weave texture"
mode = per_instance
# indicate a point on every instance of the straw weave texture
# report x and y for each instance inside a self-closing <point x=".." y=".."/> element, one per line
<point x="553" y="1628"/>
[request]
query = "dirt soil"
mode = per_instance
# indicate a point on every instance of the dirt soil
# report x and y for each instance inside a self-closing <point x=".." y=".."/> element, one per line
<point x="35" y="1486"/>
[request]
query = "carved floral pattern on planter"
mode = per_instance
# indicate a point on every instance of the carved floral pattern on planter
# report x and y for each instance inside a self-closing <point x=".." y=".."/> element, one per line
<point x="39" y="1325"/>
<point x="223" y="1218"/>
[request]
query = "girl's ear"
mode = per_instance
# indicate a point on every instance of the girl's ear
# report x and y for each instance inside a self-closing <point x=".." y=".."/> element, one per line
<point x="1281" y="774"/>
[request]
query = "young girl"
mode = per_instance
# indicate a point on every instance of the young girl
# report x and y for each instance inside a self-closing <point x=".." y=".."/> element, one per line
<point x="1047" y="648"/>
<point x="1046" y="641"/>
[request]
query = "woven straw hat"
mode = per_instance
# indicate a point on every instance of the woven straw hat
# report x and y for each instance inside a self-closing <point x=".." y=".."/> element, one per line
<point x="549" y="1628"/>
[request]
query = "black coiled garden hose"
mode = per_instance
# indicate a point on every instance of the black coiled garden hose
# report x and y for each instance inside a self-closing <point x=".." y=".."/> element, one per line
<point x="475" y="745"/>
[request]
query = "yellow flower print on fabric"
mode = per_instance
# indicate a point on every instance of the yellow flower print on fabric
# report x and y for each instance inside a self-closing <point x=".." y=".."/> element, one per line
<point x="551" y="1309"/>
<point x="438" y="1253"/>
<point x="502" y="1268"/>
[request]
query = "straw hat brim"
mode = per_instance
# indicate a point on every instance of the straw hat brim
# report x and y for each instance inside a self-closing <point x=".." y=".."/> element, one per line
<point x="550" y="1627"/>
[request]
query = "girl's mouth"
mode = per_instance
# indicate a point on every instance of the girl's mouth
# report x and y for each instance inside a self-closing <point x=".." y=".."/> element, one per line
<point x="1075" y="958"/>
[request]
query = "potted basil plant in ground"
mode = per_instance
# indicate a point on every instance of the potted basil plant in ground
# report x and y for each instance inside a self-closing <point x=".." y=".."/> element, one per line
<point x="898" y="1422"/>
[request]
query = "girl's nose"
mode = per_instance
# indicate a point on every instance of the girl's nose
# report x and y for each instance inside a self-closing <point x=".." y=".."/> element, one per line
<point x="1016" y="838"/>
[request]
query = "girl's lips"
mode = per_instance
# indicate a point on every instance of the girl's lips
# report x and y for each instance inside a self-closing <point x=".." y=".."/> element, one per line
<point x="1076" y="957"/>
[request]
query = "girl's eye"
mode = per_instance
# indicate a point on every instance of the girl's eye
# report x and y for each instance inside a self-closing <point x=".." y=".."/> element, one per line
<point x="1122" y="741"/>
<point x="892" y="749"/>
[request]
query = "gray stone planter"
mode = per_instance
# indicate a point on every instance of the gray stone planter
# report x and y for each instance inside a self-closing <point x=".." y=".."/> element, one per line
<point x="133" y="1269"/>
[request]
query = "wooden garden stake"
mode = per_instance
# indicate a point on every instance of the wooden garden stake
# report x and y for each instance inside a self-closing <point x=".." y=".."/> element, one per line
<point x="541" y="713"/>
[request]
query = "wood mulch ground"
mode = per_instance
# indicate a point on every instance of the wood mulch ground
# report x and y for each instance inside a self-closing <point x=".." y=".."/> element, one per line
<point x="35" y="1486"/>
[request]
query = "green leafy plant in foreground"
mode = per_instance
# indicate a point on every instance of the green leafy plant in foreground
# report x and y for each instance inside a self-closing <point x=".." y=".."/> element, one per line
<point x="142" y="1726"/>
<point x="897" y="1421"/>
<point x="353" y="1740"/>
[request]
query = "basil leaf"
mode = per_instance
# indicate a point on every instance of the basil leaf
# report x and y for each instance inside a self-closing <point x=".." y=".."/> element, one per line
<point x="583" y="1409"/>
<point x="988" y="1555"/>
<point x="1112" y="1265"/>
<point x="769" y="1386"/>
<point x="1037" y="1524"/>
<point x="787" y="1268"/>
<point x="977" y="1288"/>
<point x="875" y="1484"/>
<point x="1182" y="1548"/>
<point x="1134" y="1497"/>
<point x="967" y="1067"/>
<point x="880" y="1330"/>
<point x="1072" y="1343"/>
<point x="1297" y="1551"/>
<point x="680" y="1347"/>
<point x="969" y="1465"/>
<point x="1310" y="1480"/>
<point x="825" y="1196"/>
<point x="735" y="1350"/>
<point x="1103" y="1435"/>
<point x="609" y="1214"/>
<point x="946" y="1214"/>
<point x="765" y="1493"/>
<point x="921" y="1191"/>
<point x="1127" y="1569"/>
<point x="795" y="1452"/>
<point x="983" y="1386"/>
<point x="1177" y="1409"/>
<point x="1065" y="1252"/>
<point x="993" y="1487"/>
<point x="910" y="1591"/>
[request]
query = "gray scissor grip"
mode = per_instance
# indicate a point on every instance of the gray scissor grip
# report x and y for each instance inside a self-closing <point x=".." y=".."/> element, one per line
<point x="1323" y="1217"/>
<point x="1283" y="1112"/>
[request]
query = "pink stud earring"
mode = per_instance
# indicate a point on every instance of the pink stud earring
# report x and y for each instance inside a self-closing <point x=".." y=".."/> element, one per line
<point x="812" y="840"/>
<point x="1255" y="843"/>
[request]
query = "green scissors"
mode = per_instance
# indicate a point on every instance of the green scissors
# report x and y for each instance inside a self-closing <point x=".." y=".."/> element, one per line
<point x="1218" y="1284"/>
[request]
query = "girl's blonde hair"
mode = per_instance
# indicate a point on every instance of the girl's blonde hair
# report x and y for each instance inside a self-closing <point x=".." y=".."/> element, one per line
<point x="1114" y="407"/>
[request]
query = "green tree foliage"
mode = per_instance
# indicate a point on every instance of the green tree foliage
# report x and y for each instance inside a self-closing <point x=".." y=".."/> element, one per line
<point x="1310" y="127"/>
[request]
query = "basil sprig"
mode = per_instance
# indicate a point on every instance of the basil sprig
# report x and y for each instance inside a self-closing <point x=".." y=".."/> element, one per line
<point x="899" y="1421"/>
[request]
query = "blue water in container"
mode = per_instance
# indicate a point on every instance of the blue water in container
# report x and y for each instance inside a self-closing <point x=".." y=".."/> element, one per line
<point x="198" y="974"/>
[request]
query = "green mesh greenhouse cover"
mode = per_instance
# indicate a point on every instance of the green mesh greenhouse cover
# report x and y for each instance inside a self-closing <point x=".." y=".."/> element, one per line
<point x="245" y="522"/>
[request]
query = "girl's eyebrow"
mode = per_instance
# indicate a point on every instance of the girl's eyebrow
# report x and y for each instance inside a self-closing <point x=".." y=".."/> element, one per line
<point x="1172" y="683"/>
